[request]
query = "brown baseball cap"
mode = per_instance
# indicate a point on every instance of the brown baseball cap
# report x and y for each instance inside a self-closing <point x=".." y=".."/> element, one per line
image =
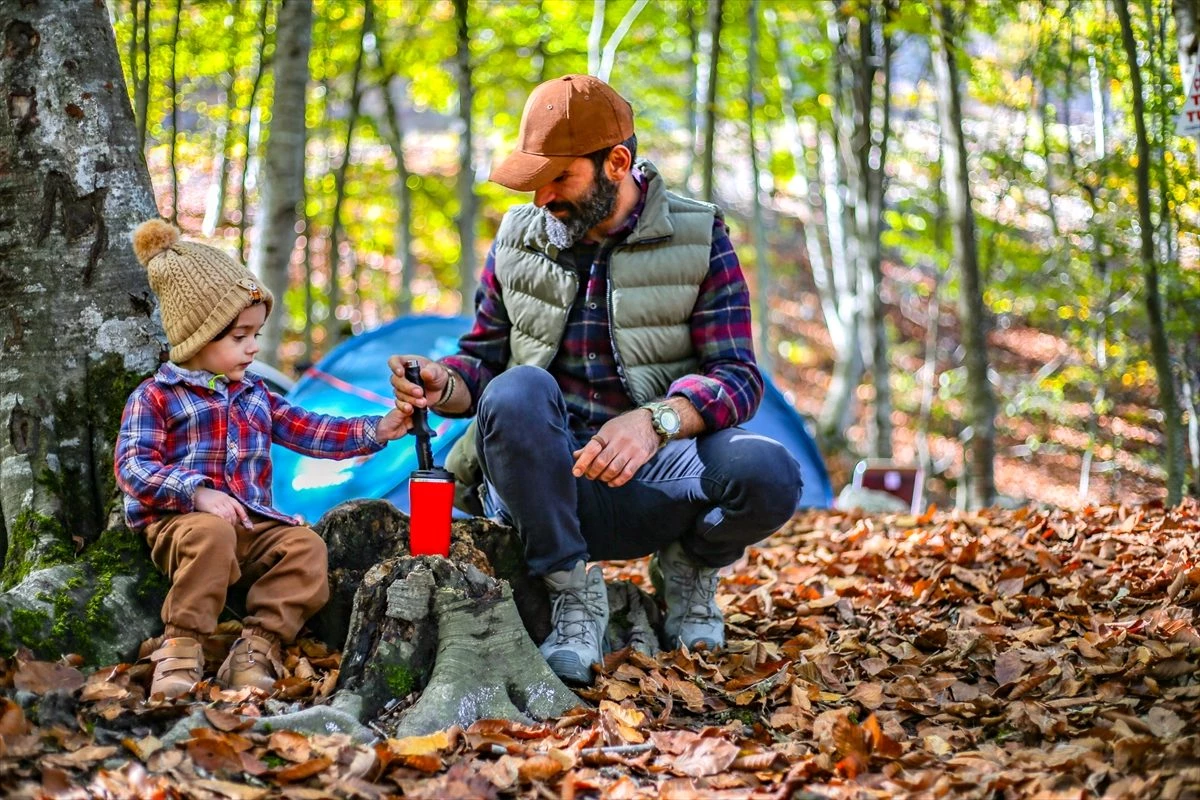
<point x="564" y="119"/>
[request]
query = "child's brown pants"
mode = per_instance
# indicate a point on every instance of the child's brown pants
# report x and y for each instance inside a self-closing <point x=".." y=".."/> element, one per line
<point x="285" y="567"/>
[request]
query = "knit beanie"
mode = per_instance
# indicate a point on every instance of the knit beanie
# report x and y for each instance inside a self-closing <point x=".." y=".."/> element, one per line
<point x="200" y="289"/>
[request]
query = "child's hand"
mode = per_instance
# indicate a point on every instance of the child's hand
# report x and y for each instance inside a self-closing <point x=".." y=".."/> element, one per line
<point x="222" y="505"/>
<point x="393" y="426"/>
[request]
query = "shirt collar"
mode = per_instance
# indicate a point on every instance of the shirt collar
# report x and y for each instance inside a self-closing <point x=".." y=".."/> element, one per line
<point x="171" y="373"/>
<point x="631" y="221"/>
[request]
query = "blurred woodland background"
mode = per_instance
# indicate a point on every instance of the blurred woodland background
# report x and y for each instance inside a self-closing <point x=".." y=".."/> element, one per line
<point x="969" y="227"/>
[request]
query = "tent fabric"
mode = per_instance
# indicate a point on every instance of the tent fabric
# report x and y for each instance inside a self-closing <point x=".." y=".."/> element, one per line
<point x="353" y="379"/>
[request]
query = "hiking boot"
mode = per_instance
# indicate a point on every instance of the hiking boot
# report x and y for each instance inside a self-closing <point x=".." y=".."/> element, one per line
<point x="252" y="661"/>
<point x="178" y="666"/>
<point x="579" y="614"/>
<point x="690" y="590"/>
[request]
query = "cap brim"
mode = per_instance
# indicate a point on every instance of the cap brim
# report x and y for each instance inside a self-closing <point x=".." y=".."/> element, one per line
<point x="526" y="172"/>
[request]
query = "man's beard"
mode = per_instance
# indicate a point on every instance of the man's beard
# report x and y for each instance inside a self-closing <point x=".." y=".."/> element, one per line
<point x="594" y="208"/>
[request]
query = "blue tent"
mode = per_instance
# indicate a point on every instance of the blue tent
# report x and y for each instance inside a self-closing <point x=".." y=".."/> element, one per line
<point x="354" y="379"/>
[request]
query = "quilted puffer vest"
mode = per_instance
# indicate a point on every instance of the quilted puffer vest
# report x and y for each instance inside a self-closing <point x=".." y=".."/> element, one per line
<point x="654" y="278"/>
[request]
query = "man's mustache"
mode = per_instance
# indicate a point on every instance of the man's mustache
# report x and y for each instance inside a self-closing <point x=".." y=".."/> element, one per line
<point x="560" y="205"/>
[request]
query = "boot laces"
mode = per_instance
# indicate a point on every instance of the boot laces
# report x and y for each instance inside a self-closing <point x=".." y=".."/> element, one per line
<point x="574" y="611"/>
<point x="697" y="587"/>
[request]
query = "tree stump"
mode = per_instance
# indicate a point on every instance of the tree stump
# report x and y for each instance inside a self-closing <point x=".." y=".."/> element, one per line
<point x="432" y="642"/>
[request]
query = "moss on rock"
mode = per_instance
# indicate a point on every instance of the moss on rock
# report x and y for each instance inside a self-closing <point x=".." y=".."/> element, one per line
<point x="36" y="541"/>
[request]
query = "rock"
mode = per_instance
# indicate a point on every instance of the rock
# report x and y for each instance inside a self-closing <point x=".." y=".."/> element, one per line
<point x="869" y="501"/>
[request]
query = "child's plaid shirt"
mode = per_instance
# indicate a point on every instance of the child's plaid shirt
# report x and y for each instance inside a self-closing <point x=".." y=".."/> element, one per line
<point x="185" y="429"/>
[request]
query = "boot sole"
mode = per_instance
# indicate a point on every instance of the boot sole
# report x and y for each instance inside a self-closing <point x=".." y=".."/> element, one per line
<point x="568" y="667"/>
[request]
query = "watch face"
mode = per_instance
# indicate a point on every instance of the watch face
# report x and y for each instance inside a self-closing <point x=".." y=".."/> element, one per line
<point x="668" y="420"/>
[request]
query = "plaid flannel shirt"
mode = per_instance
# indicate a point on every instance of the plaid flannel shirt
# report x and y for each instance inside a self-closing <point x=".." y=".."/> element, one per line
<point x="726" y="389"/>
<point x="183" y="429"/>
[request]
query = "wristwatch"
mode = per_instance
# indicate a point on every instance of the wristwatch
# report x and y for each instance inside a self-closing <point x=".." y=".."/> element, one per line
<point x="665" y="420"/>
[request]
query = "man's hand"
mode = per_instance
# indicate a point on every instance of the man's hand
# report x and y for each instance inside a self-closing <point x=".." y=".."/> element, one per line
<point x="393" y="426"/>
<point x="409" y="396"/>
<point x="618" y="450"/>
<point x="222" y="505"/>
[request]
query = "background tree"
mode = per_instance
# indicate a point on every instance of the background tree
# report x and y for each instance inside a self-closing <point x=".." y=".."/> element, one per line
<point x="283" y="177"/>
<point x="982" y="410"/>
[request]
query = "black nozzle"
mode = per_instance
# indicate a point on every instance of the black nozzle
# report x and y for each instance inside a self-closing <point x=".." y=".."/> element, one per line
<point x="420" y="417"/>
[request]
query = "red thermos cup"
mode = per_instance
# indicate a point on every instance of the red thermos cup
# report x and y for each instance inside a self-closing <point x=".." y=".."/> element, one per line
<point x="430" y="504"/>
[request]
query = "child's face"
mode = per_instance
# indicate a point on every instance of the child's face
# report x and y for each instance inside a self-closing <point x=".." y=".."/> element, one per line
<point x="232" y="353"/>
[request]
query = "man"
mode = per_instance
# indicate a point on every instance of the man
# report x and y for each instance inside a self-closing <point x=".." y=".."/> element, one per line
<point x="609" y="363"/>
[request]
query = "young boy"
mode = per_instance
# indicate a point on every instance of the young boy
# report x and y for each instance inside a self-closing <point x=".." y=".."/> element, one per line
<point x="193" y="459"/>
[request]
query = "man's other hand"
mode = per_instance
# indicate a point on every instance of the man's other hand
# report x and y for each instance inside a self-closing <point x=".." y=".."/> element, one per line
<point x="618" y="450"/>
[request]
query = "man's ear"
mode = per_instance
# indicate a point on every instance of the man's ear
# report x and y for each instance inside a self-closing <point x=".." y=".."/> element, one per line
<point x="618" y="164"/>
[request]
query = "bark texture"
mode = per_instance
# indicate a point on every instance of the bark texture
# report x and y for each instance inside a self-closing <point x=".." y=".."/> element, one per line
<point x="78" y="326"/>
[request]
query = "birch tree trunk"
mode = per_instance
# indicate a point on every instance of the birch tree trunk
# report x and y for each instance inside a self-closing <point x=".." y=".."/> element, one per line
<point x="334" y="328"/>
<point x="142" y="80"/>
<point x="709" y="110"/>
<point x="981" y="402"/>
<point x="393" y="132"/>
<point x="173" y="83"/>
<point x="468" y="204"/>
<point x="78" y="326"/>
<point x="283" y="175"/>
<point x="758" y="229"/>
<point x="1159" y="347"/>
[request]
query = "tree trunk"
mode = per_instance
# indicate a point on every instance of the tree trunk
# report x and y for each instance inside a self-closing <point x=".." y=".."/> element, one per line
<point x="842" y="313"/>
<point x="468" y="203"/>
<point x="712" y="40"/>
<point x="173" y="83"/>
<point x="142" y="81"/>
<point x="1159" y="347"/>
<point x="861" y="115"/>
<point x="393" y="132"/>
<point x="609" y="56"/>
<point x="76" y="326"/>
<point x="980" y="445"/>
<point x="595" y="36"/>
<point x="758" y="229"/>
<point x="283" y="179"/>
<point x="334" y="328"/>
<point x="214" y="204"/>
<point x="413" y="626"/>
<point x="249" y="138"/>
<point x="693" y="96"/>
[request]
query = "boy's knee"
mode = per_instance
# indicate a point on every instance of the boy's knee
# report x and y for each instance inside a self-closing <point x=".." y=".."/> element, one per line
<point x="207" y="535"/>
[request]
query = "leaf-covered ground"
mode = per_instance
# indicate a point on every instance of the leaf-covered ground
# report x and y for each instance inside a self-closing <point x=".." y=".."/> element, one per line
<point x="1009" y="654"/>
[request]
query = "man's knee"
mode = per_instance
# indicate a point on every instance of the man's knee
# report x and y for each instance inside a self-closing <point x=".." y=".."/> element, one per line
<point x="518" y="390"/>
<point x="763" y="476"/>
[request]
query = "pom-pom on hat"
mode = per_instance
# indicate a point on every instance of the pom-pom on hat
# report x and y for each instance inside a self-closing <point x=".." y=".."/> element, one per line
<point x="200" y="289"/>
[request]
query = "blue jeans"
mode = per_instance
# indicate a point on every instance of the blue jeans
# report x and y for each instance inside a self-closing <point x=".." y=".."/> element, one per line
<point x="715" y="494"/>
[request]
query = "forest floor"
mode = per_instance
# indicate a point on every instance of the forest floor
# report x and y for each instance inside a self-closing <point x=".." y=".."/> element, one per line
<point x="1010" y="653"/>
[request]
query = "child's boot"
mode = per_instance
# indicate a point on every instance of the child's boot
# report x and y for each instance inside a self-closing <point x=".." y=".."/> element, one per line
<point x="253" y="661"/>
<point x="178" y="666"/>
